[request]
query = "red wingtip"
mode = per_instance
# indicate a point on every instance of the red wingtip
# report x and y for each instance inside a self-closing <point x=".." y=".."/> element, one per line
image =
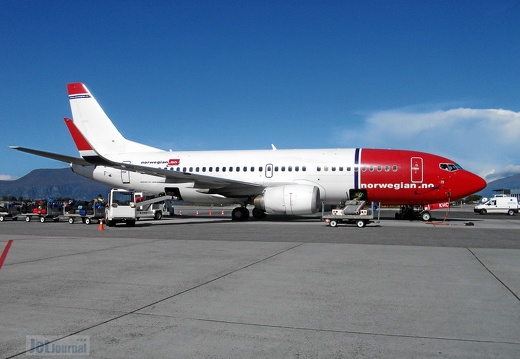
<point x="80" y="141"/>
<point x="76" y="88"/>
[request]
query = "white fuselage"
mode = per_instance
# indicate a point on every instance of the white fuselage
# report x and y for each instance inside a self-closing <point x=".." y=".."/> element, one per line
<point x="331" y="170"/>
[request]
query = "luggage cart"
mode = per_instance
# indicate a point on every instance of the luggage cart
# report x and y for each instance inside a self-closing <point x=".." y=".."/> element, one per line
<point x="46" y="209"/>
<point x="11" y="210"/>
<point x="87" y="212"/>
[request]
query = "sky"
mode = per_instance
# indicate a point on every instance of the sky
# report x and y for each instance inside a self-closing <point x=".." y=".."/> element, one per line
<point x="435" y="76"/>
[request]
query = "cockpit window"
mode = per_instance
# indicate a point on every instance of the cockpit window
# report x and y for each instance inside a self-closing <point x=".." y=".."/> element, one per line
<point x="450" y="167"/>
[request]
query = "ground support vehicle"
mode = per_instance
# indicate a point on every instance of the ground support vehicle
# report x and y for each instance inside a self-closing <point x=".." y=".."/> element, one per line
<point x="499" y="204"/>
<point x="11" y="210"/>
<point x="45" y="209"/>
<point x="122" y="208"/>
<point x="352" y="213"/>
<point x="149" y="206"/>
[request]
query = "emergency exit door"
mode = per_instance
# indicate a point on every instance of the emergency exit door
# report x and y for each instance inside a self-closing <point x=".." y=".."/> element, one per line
<point x="417" y="170"/>
<point x="125" y="175"/>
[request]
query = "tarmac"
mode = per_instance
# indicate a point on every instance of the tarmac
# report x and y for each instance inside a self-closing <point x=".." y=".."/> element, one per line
<point x="200" y="286"/>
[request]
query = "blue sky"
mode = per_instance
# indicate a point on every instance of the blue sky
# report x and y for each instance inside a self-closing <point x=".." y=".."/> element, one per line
<point x="435" y="76"/>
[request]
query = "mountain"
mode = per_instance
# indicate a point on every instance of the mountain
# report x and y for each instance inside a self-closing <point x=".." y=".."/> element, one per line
<point x="503" y="183"/>
<point x="53" y="183"/>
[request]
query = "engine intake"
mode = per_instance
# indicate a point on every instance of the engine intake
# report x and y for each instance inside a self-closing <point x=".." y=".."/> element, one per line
<point x="289" y="199"/>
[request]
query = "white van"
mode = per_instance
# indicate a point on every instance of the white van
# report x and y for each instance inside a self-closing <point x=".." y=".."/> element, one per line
<point x="499" y="204"/>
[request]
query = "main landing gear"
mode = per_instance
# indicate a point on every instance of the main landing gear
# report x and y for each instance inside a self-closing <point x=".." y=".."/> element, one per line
<point x="413" y="212"/>
<point x="242" y="214"/>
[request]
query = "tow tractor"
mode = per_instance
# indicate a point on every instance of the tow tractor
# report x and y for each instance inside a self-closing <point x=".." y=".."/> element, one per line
<point x="351" y="212"/>
<point x="122" y="208"/>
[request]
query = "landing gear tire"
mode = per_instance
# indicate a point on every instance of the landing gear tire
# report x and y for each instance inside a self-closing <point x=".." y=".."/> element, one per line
<point x="426" y="216"/>
<point x="27" y="219"/>
<point x="42" y="219"/>
<point x="483" y="211"/>
<point x="333" y="223"/>
<point x="240" y="214"/>
<point x="510" y="212"/>
<point x="157" y="215"/>
<point x="71" y="220"/>
<point x="87" y="221"/>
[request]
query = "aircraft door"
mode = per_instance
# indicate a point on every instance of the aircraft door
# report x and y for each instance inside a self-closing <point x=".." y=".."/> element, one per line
<point x="416" y="169"/>
<point x="125" y="175"/>
<point x="268" y="170"/>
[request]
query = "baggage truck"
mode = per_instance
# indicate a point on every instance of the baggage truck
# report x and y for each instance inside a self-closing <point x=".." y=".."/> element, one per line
<point x="353" y="212"/>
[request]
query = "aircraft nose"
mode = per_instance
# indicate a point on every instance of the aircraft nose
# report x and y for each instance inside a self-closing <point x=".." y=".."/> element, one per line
<point x="474" y="183"/>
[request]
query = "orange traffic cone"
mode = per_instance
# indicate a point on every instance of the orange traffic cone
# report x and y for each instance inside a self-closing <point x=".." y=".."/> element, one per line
<point x="210" y="212"/>
<point x="101" y="226"/>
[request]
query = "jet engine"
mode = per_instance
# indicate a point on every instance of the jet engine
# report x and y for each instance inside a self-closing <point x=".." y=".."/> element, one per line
<point x="289" y="199"/>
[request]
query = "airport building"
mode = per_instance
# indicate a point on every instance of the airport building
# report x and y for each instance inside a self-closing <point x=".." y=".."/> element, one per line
<point x="513" y="192"/>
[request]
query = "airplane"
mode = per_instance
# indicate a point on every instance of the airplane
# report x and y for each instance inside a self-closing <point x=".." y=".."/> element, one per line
<point x="275" y="181"/>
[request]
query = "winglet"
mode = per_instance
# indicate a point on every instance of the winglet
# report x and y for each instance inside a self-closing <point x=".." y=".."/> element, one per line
<point x="80" y="140"/>
<point x="85" y="149"/>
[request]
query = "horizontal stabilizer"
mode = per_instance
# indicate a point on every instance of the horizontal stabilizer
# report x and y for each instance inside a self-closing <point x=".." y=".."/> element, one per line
<point x="54" y="156"/>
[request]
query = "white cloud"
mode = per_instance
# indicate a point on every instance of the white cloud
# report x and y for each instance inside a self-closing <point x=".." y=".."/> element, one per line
<point x="485" y="141"/>
<point x="7" y="178"/>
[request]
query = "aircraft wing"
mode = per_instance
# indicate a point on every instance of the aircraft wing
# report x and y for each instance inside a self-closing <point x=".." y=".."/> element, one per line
<point x="54" y="156"/>
<point x="204" y="184"/>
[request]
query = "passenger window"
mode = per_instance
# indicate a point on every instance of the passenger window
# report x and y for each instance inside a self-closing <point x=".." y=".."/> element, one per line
<point x="289" y="168"/>
<point x="318" y="169"/>
<point x="260" y="169"/>
<point x="394" y="168"/>
<point x="304" y="168"/>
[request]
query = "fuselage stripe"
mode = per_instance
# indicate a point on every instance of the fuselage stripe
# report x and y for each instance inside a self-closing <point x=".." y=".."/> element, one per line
<point x="356" y="164"/>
